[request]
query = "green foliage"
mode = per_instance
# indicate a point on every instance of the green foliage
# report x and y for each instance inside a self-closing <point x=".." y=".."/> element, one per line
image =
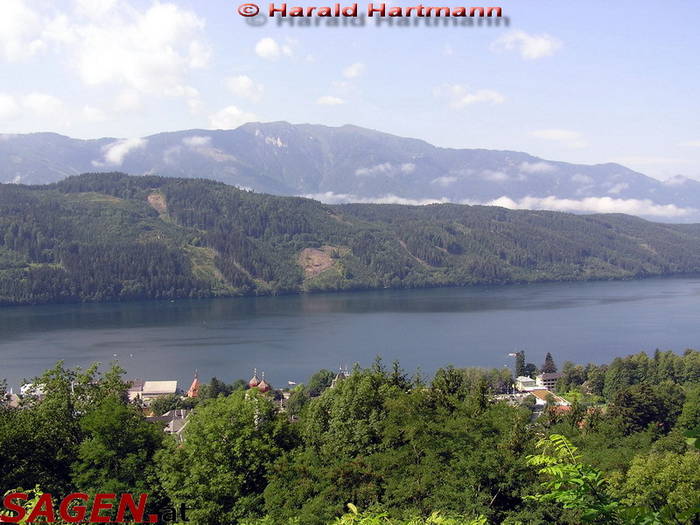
<point x="571" y="483"/>
<point x="659" y="480"/>
<point x="658" y="489"/>
<point x="95" y="237"/>
<point x="405" y="451"/>
<point x="223" y="466"/>
<point x="42" y="441"/>
<point x="641" y="405"/>
<point x="354" y="517"/>
<point x="32" y="501"/>
<point x="689" y="418"/>
<point x="117" y="450"/>
<point x="163" y="404"/>
<point x="549" y="367"/>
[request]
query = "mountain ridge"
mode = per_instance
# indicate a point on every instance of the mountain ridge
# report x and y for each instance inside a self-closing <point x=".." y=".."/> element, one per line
<point x="114" y="237"/>
<point x="353" y="164"/>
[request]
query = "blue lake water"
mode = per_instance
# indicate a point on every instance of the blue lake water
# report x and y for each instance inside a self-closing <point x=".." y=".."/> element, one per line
<point x="291" y="337"/>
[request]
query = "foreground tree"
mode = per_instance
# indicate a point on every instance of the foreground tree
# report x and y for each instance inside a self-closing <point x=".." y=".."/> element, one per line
<point x="549" y="367"/>
<point x="116" y="455"/>
<point x="223" y="466"/>
<point x="584" y="490"/>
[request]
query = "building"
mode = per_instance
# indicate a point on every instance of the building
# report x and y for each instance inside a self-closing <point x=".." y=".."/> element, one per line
<point x="11" y="399"/>
<point x="262" y="385"/>
<point x="30" y="389"/>
<point x="548" y="381"/>
<point x="542" y="397"/>
<point x="524" y="383"/>
<point x="154" y="389"/>
<point x="255" y="380"/>
<point x="193" y="391"/>
<point x="340" y="376"/>
<point x="175" y="422"/>
<point x="135" y="389"/>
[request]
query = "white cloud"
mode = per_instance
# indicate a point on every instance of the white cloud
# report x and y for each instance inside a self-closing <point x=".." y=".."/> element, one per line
<point x="38" y="104"/>
<point x="269" y="49"/>
<point x="572" y="139"/>
<point x="128" y="100"/>
<point x="42" y="104"/>
<point x="579" y="178"/>
<point x="199" y="144"/>
<point x="537" y="167"/>
<point x="530" y="47"/>
<point x="20" y="31"/>
<point x="594" y="205"/>
<point x="618" y="188"/>
<point x="690" y="144"/>
<point x="244" y="86"/>
<point x="95" y="8"/>
<point x="676" y="180"/>
<point x="338" y="198"/>
<point x="354" y="70"/>
<point x="386" y="168"/>
<point x="494" y="176"/>
<point x="460" y="96"/>
<point x="230" y="118"/>
<point x="115" y="153"/>
<point x="329" y="100"/>
<point x="444" y="181"/>
<point x="146" y="52"/>
<point x="9" y="108"/>
<point x="93" y="114"/>
<point x="196" y="141"/>
<point x="378" y="169"/>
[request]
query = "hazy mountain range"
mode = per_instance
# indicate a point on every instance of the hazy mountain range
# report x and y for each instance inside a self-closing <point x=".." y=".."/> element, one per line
<point x="352" y="164"/>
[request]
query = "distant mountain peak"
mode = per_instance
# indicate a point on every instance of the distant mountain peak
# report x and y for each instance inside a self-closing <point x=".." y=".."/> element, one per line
<point x="351" y="163"/>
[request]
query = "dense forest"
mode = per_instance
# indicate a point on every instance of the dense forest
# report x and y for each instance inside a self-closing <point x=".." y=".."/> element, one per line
<point x="377" y="446"/>
<point x="109" y="237"/>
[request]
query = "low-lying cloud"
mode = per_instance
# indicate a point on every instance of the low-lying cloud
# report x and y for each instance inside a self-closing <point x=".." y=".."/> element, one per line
<point x="330" y="197"/>
<point x="644" y="207"/>
<point x="116" y="152"/>
<point x="594" y="205"/>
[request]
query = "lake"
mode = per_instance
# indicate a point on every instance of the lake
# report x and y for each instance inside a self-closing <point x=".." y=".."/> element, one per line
<point x="293" y="336"/>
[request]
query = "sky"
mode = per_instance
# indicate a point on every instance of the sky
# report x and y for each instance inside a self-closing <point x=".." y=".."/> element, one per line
<point x="591" y="82"/>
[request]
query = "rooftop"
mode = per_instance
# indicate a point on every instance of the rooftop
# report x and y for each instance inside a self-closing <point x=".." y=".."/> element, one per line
<point x="159" y="387"/>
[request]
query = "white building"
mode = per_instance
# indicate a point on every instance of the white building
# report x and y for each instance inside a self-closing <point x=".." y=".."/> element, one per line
<point x="525" y="384"/>
<point x="153" y="389"/>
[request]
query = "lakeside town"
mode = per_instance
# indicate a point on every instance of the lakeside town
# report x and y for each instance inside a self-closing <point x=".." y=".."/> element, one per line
<point x="154" y="396"/>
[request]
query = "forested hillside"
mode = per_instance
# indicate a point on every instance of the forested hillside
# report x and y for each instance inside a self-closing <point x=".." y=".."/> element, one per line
<point x="103" y="237"/>
<point x="405" y="450"/>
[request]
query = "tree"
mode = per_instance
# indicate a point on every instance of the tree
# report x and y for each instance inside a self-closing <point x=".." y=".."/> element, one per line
<point x="583" y="489"/>
<point x="42" y="441"/>
<point x="530" y="370"/>
<point x="641" y="405"/>
<point x="665" y="480"/>
<point x="520" y="363"/>
<point x="223" y="466"/>
<point x="549" y="367"/>
<point x="689" y="418"/>
<point x="116" y="455"/>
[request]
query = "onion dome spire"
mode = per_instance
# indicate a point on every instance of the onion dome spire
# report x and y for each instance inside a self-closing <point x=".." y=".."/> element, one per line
<point x="264" y="386"/>
<point x="194" y="387"/>
<point x="254" y="381"/>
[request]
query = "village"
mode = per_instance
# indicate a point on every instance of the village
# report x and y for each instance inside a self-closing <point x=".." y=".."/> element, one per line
<point x="537" y="393"/>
